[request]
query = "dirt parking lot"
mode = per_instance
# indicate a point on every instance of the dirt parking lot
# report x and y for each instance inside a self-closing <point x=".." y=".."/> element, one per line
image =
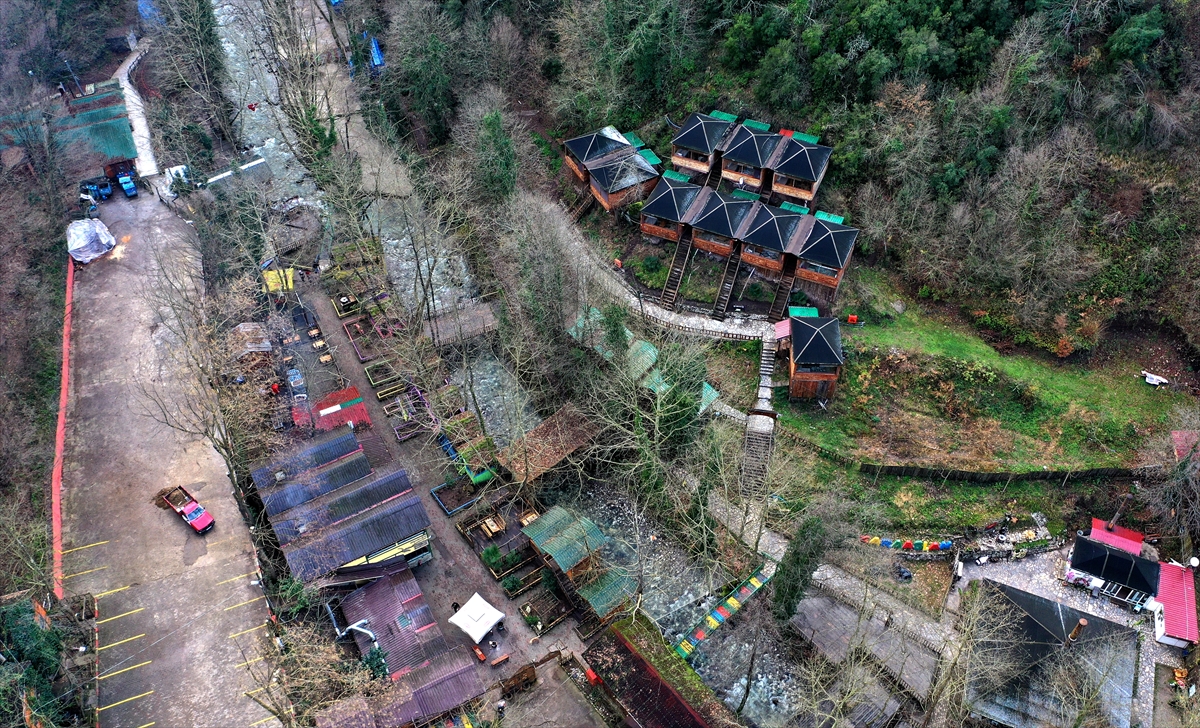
<point x="179" y="613"/>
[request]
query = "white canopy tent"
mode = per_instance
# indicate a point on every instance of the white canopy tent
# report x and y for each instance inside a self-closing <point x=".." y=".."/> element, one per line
<point x="477" y="618"/>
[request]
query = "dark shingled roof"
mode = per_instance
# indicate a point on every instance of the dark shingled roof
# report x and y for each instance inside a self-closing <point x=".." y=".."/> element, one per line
<point x="623" y="173"/>
<point x="721" y="214"/>
<point x="637" y="686"/>
<point x="598" y="144"/>
<point x="772" y="228"/>
<point x="338" y="505"/>
<point x="670" y="199"/>
<point x="1116" y="565"/>
<point x="314" y="483"/>
<point x="397" y="614"/>
<point x="799" y="159"/>
<point x="325" y="449"/>
<point x="702" y="133"/>
<point x="751" y="147"/>
<point x="1105" y="651"/>
<point x="816" y="341"/>
<point x="317" y="554"/>
<point x="829" y="244"/>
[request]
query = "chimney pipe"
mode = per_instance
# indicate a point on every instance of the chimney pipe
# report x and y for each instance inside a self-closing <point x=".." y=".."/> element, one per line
<point x="1112" y="524"/>
<point x="1074" y="636"/>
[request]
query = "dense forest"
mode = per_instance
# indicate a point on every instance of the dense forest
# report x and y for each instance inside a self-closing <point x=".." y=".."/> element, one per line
<point x="1031" y="163"/>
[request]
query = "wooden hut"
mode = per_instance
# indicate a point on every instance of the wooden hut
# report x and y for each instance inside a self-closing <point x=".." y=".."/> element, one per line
<point x="769" y="234"/>
<point x="697" y="145"/>
<point x="816" y="358"/>
<point x="716" y="220"/>
<point x="623" y="180"/>
<point x="822" y="258"/>
<point x="663" y="215"/>
<point x="797" y="168"/>
<point x="596" y="148"/>
<point x="744" y="158"/>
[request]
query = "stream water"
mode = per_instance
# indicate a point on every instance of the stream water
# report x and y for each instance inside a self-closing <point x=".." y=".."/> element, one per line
<point x="507" y="409"/>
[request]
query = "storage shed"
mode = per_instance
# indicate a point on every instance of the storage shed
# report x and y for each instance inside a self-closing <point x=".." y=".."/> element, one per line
<point x="816" y="358"/>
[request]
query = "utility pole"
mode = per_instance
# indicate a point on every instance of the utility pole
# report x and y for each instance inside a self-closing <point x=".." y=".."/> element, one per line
<point x="77" y="86"/>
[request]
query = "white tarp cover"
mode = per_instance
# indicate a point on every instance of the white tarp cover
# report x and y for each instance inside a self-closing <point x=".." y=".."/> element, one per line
<point x="477" y="618"/>
<point x="88" y="240"/>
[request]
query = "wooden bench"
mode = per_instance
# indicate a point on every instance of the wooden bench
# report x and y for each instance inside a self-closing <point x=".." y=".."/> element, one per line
<point x="501" y="660"/>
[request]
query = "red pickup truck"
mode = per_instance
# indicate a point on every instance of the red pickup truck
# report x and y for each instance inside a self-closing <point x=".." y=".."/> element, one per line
<point x="189" y="509"/>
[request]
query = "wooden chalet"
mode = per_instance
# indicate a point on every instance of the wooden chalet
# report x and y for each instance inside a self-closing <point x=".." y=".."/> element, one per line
<point x="623" y="180"/>
<point x="716" y="219"/>
<point x="816" y="358"/>
<point x="797" y="168"/>
<point x="663" y="214"/>
<point x="822" y="259"/>
<point x="595" y="149"/>
<point x="697" y="145"/>
<point x="745" y="156"/>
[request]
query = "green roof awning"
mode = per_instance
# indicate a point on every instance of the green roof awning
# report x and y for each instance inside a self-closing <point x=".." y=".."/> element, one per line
<point x="790" y="207"/>
<point x="608" y="591"/>
<point x="806" y="138"/>
<point x="633" y="139"/>
<point x="649" y="156"/>
<point x="745" y="195"/>
<point x="723" y="116"/>
<point x="708" y="395"/>
<point x="803" y="312"/>
<point x="820" y="215"/>
<point x="677" y="176"/>
<point x="757" y="125"/>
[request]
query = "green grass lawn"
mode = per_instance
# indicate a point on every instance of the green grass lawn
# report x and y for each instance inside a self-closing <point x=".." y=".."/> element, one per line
<point x="921" y="389"/>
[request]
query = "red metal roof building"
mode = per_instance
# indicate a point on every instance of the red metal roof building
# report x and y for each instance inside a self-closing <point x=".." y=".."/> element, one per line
<point x="343" y="407"/>
<point x="1176" y="623"/>
<point x="1120" y="537"/>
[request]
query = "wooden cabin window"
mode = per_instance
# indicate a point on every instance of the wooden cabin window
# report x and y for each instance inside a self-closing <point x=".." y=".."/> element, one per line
<point x="659" y="222"/>
<point x="743" y="169"/>
<point x="801" y="184"/>
<point x="815" y="268"/>
<point x="816" y="370"/>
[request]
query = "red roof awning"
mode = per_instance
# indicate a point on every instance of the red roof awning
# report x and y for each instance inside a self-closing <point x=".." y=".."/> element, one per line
<point x="1120" y="537"/>
<point x="339" y="408"/>
<point x="1177" y="594"/>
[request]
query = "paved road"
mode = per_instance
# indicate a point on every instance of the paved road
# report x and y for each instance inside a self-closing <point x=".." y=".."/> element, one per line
<point x="170" y="601"/>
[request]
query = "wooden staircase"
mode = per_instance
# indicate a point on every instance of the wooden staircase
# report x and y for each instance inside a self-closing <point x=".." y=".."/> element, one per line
<point x="756" y="458"/>
<point x="683" y="250"/>
<point x="766" y="360"/>
<point x="713" y="179"/>
<point x="783" y="292"/>
<point x="582" y="208"/>
<point x="732" y="265"/>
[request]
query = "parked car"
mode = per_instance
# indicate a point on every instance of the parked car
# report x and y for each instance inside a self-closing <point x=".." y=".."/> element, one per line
<point x="189" y="509"/>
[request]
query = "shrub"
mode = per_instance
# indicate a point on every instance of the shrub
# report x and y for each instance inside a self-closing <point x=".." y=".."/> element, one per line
<point x="376" y="662"/>
<point x="651" y="264"/>
<point x="492" y="557"/>
<point x="511" y="584"/>
<point x="549" y="581"/>
<point x="1132" y="41"/>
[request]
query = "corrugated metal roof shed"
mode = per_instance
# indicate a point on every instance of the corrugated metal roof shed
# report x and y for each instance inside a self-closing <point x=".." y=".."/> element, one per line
<point x="348" y="713"/>
<point x="1177" y="594"/>
<point x="338" y="505"/>
<point x="446" y="683"/>
<point x="608" y="591"/>
<point x="314" y="483"/>
<point x="1123" y="538"/>
<point x="565" y="538"/>
<point x="317" y="554"/>
<point x="321" y="451"/>
<point x="99" y="122"/>
<point x="396" y="612"/>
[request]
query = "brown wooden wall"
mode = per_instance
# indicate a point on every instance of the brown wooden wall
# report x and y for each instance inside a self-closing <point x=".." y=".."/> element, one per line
<point x="760" y="262"/>
<point x="580" y="173"/>
<point x="691" y="165"/>
<point x="811" y="385"/>
<point x="620" y="198"/>
<point x="711" y="246"/>
<point x="658" y="231"/>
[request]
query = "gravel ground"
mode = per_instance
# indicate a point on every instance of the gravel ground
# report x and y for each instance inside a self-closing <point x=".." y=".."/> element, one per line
<point x="1042" y="575"/>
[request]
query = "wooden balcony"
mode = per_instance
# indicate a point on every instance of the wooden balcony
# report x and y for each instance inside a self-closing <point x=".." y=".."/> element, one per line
<point x="660" y="230"/>
<point x="687" y="164"/>
<point x="717" y="246"/>
<point x="819" y="279"/>
<point x="758" y="261"/>
<point x="743" y="180"/>
<point x="795" y="193"/>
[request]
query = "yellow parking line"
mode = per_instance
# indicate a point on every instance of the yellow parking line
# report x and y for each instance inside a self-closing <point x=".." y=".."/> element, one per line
<point x="126" y="669"/>
<point x="89" y="571"/>
<point x="268" y="719"/>
<point x="249" y="601"/>
<point x="126" y="614"/>
<point x="81" y="548"/>
<point x="146" y="725"/>
<point x="113" y="591"/>
<point x="249" y="662"/>
<point x="243" y="576"/>
<point x="114" y="644"/>
<point x="247" y="631"/>
<point x="126" y="700"/>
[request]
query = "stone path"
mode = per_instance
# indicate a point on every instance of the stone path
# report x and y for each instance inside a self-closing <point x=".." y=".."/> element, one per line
<point x="147" y="165"/>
